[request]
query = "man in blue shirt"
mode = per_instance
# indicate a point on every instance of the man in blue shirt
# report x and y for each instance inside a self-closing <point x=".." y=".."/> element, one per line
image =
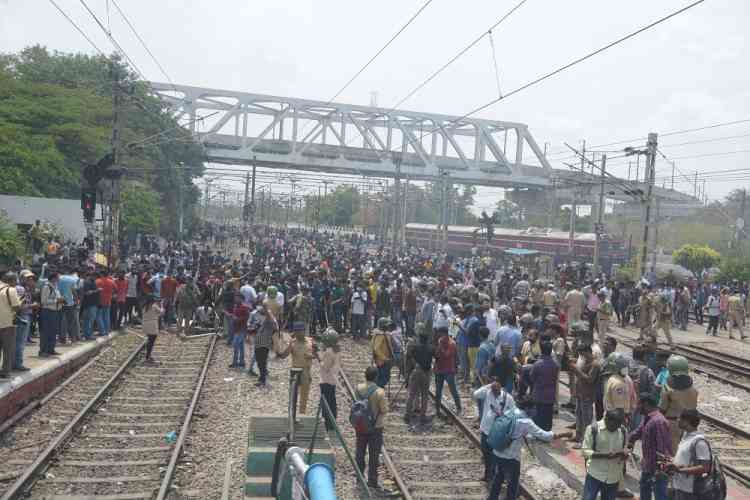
<point x="544" y="375"/>
<point x="509" y="334"/>
<point x="68" y="286"/>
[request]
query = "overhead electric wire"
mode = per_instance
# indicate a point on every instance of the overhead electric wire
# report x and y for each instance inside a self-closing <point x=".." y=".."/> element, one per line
<point x="78" y="28"/>
<point x="143" y="43"/>
<point x="556" y="71"/>
<point x="112" y="39"/>
<point x="666" y="134"/>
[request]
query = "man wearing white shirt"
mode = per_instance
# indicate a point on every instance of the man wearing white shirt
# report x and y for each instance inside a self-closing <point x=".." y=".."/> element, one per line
<point x="443" y="314"/>
<point x="490" y="318"/>
<point x="492" y="401"/>
<point x="248" y="294"/>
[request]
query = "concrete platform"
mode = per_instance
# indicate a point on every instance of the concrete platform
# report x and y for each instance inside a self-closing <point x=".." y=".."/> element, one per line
<point x="46" y="373"/>
<point x="569" y="464"/>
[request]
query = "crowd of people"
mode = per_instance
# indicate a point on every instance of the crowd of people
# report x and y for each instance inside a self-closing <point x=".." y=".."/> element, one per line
<point x="483" y="325"/>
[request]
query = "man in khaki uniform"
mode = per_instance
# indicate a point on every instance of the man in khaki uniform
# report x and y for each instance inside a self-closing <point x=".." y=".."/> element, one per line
<point x="664" y="318"/>
<point x="301" y="350"/>
<point x="646" y="315"/>
<point x="736" y="312"/>
<point x="550" y="297"/>
<point x="617" y="397"/>
<point x="372" y="442"/>
<point x="677" y="394"/>
<point x="537" y="294"/>
<point x="573" y="304"/>
<point x="604" y="316"/>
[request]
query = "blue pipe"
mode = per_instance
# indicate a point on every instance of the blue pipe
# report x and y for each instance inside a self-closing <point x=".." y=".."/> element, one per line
<point x="319" y="482"/>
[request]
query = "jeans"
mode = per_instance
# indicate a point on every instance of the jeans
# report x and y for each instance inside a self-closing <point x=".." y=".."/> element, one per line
<point x="463" y="362"/>
<point x="238" y="344"/>
<point x="440" y="378"/>
<point x="543" y="416"/>
<point x="8" y="346"/>
<point x="505" y="470"/>
<point x="69" y="328"/>
<point x="592" y="487"/>
<point x="370" y="443"/>
<point x="410" y="320"/>
<point x="396" y="316"/>
<point x="384" y="374"/>
<point x="228" y="320"/>
<point x="713" y="324"/>
<point x="261" y="355"/>
<point x="102" y="320"/>
<point x="359" y="326"/>
<point x="89" y="316"/>
<point x="131" y="308"/>
<point x="22" y="332"/>
<point x="328" y="392"/>
<point x="650" y="484"/>
<point x="584" y="416"/>
<point x="487" y="457"/>
<point x="150" y="345"/>
<point x="122" y="311"/>
<point x="48" y="328"/>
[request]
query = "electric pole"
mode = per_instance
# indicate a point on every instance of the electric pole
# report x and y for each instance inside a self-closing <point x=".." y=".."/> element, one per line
<point x="599" y="228"/>
<point x="656" y="234"/>
<point x="245" y="207"/>
<point x="114" y="206"/>
<point x="252" y="199"/>
<point x="649" y="178"/>
<point x="396" y="199"/>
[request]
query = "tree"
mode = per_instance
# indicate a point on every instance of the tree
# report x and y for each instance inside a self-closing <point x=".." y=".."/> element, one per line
<point x="11" y="242"/>
<point x="56" y="114"/>
<point x="696" y="258"/>
<point x="141" y="209"/>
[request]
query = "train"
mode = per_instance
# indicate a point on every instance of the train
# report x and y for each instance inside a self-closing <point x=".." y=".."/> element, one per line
<point x="538" y="241"/>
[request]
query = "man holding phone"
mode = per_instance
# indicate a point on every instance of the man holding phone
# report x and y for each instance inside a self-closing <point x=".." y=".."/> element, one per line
<point x="605" y="450"/>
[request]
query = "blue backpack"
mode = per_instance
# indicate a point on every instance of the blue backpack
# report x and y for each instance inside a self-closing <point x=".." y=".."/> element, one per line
<point x="501" y="431"/>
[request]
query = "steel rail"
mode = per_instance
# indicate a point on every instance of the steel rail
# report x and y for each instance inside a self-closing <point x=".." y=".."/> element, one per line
<point x="737" y="359"/>
<point x="386" y="456"/>
<point x="732" y="429"/>
<point x="716" y="361"/>
<point x="37" y="403"/>
<point x="42" y="460"/>
<point x="172" y="467"/>
<point x="476" y="441"/>
<point x="629" y="342"/>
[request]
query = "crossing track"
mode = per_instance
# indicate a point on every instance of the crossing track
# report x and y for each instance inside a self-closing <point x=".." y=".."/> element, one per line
<point x="436" y="460"/>
<point x="732" y="443"/>
<point x="718" y="365"/>
<point x="114" y="446"/>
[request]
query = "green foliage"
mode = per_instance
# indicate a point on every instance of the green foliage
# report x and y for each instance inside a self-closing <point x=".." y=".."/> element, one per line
<point x="735" y="268"/>
<point x="11" y="242"/>
<point x="140" y="208"/>
<point x="696" y="258"/>
<point x="56" y="114"/>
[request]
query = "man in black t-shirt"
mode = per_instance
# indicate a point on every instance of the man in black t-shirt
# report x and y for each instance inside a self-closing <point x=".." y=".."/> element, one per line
<point x="420" y="354"/>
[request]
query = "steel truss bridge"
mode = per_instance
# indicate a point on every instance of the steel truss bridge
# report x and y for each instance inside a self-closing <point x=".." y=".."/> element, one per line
<point x="242" y="128"/>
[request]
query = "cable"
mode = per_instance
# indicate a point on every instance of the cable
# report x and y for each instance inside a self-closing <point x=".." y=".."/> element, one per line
<point x="457" y="56"/>
<point x="708" y="155"/>
<point x="494" y="60"/>
<point x="112" y="39"/>
<point x="411" y="19"/>
<point x="138" y="36"/>
<point x="77" y="27"/>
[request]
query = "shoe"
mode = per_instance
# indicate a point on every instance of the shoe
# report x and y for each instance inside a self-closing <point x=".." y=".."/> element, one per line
<point x="21" y="369"/>
<point x="260" y="384"/>
<point x="232" y="366"/>
<point x="577" y="446"/>
<point x="625" y="494"/>
<point x="54" y="353"/>
<point x="43" y="355"/>
<point x="252" y="373"/>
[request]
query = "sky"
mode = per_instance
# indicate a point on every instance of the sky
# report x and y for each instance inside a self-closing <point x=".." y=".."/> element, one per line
<point x="689" y="72"/>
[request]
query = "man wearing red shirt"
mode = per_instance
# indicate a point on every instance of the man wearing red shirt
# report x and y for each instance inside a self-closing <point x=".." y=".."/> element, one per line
<point x="239" y="315"/>
<point x="121" y="287"/>
<point x="445" y="368"/>
<point x="168" y="291"/>
<point x="106" y="286"/>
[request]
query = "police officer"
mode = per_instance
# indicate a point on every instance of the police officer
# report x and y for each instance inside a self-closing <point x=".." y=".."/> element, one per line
<point x="736" y="312"/>
<point x="664" y="318"/>
<point x="677" y="394"/>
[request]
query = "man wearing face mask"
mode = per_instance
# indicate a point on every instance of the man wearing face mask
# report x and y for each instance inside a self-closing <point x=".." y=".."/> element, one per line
<point x="604" y="448"/>
<point x="617" y="396"/>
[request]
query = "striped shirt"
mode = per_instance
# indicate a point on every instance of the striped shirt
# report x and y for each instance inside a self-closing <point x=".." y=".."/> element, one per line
<point x="655" y="436"/>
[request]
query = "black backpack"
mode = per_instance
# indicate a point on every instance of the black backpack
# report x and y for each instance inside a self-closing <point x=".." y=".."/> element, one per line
<point x="712" y="485"/>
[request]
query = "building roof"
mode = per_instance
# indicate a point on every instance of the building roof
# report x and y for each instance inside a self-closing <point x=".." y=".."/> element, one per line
<point x="63" y="212"/>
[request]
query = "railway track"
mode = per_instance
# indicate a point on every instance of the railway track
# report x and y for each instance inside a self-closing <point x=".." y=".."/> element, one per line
<point x="110" y="439"/>
<point x="732" y="443"/>
<point x="435" y="460"/>
<point x="726" y="368"/>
